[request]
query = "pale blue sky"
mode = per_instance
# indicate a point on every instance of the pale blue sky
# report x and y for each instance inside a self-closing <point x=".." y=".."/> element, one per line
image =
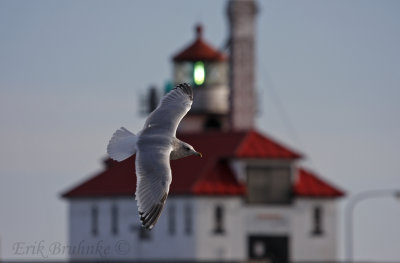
<point x="71" y="73"/>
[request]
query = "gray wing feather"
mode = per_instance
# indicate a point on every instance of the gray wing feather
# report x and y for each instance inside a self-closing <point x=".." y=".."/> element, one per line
<point x="153" y="174"/>
<point x="172" y="108"/>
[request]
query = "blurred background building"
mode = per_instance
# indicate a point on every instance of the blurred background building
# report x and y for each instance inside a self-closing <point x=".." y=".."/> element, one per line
<point x="247" y="199"/>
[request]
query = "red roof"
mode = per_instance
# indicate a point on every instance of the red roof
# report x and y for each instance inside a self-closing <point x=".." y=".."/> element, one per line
<point x="256" y="145"/>
<point x="210" y="175"/>
<point x="116" y="180"/>
<point x="199" y="50"/>
<point x="218" y="181"/>
<point x="310" y="185"/>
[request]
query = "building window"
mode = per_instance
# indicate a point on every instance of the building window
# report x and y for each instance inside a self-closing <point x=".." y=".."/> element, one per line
<point x="95" y="220"/>
<point x="269" y="185"/>
<point x="171" y="219"/>
<point x="188" y="219"/>
<point x="317" y="217"/>
<point x="114" y="219"/>
<point x="219" y="220"/>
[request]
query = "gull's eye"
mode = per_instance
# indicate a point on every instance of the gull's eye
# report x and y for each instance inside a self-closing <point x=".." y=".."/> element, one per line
<point x="186" y="148"/>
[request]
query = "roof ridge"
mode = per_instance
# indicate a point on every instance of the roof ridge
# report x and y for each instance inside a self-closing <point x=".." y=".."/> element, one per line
<point x="247" y="134"/>
<point x="276" y="147"/>
<point x="281" y="144"/>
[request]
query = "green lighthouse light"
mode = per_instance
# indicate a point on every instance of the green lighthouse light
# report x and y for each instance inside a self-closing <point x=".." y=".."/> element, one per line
<point x="199" y="73"/>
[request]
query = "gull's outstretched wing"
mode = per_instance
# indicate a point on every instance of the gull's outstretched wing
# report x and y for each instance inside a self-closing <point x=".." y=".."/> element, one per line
<point x="172" y="108"/>
<point x="153" y="174"/>
<point x="154" y="146"/>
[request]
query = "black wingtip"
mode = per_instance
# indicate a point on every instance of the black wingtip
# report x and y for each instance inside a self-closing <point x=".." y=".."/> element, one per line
<point x="150" y="218"/>
<point x="186" y="88"/>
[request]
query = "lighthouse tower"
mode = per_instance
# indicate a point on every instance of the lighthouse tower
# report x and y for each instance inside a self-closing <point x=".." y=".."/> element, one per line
<point x="206" y="69"/>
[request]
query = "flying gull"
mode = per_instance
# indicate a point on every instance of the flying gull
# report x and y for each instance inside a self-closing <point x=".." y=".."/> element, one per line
<point x="154" y="146"/>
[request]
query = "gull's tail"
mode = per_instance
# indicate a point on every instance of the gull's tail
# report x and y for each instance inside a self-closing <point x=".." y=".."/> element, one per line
<point x="122" y="145"/>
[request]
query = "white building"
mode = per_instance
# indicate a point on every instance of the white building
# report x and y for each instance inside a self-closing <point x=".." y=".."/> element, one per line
<point x="246" y="199"/>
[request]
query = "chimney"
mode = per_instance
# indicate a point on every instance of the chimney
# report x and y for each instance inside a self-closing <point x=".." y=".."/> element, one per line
<point x="241" y="14"/>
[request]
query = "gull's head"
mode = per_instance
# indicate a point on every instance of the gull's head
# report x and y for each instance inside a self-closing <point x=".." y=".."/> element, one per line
<point x="182" y="149"/>
<point x="188" y="149"/>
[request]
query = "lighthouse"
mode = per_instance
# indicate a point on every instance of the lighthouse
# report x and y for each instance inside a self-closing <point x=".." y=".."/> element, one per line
<point x="247" y="200"/>
<point x="206" y="69"/>
<point x="224" y="84"/>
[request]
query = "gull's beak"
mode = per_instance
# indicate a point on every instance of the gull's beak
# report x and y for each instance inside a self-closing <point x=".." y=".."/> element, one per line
<point x="199" y="154"/>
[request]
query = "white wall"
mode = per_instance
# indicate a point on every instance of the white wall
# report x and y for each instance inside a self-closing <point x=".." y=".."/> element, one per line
<point x="227" y="246"/>
<point x="105" y="245"/>
<point x="164" y="246"/>
<point x="201" y="244"/>
<point x="126" y="244"/>
<point x="304" y="245"/>
<point x="240" y="221"/>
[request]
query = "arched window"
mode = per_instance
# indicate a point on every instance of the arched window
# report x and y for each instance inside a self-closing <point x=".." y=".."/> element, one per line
<point x="114" y="219"/>
<point x="219" y="219"/>
<point x="188" y="218"/>
<point x="317" y="218"/>
<point x="171" y="219"/>
<point x="95" y="220"/>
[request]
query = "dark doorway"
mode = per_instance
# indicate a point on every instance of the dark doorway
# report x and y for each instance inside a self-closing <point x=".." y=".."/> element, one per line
<point x="272" y="249"/>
